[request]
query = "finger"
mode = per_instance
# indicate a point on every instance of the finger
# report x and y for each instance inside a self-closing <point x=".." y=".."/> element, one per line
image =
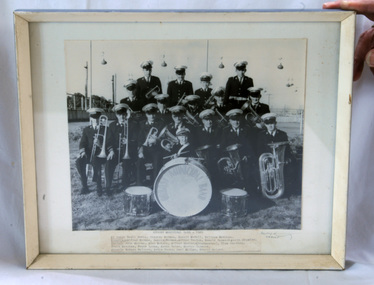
<point x="364" y="7"/>
<point x="332" y="5"/>
<point x="364" y="45"/>
<point x="361" y="7"/>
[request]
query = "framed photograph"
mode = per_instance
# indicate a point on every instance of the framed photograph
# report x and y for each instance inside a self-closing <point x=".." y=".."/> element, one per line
<point x="185" y="139"/>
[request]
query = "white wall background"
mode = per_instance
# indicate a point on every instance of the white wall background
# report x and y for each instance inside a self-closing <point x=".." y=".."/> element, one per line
<point x="360" y="243"/>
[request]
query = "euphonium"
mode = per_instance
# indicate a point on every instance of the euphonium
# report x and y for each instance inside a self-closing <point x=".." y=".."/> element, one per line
<point x="271" y="171"/>
<point x="231" y="165"/>
<point x="168" y="140"/>
<point x="103" y="120"/>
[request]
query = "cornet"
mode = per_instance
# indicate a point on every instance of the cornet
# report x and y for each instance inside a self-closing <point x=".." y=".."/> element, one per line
<point x="151" y="137"/>
<point x="149" y="94"/>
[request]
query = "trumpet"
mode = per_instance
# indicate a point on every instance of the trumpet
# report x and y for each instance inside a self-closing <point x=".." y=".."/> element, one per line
<point x="151" y="137"/>
<point x="103" y="120"/>
<point x="150" y="94"/>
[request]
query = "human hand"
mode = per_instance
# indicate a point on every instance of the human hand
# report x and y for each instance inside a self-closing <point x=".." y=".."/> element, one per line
<point x="110" y="155"/>
<point x="364" y="7"/>
<point x="364" y="51"/>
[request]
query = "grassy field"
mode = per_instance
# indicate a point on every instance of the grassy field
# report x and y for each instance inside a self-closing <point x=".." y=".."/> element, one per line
<point x="91" y="212"/>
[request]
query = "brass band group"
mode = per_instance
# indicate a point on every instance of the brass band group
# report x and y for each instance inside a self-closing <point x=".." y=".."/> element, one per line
<point x="226" y="130"/>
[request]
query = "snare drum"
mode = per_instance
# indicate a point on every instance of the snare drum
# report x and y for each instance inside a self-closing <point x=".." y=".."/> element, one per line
<point x="182" y="187"/>
<point x="234" y="202"/>
<point x="137" y="201"/>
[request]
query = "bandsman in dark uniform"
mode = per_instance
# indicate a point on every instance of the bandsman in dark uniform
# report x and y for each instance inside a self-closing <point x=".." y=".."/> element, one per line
<point x="90" y="147"/>
<point x="292" y="168"/>
<point x="179" y="87"/>
<point x="253" y="109"/>
<point x="122" y="147"/>
<point x="148" y="85"/>
<point x="163" y="111"/>
<point x="149" y="149"/>
<point x="219" y="106"/>
<point x="205" y="91"/>
<point x="193" y="107"/>
<point x="237" y="86"/>
<point x="178" y="114"/>
<point x="132" y="99"/>
<point x="271" y="135"/>
<point x="184" y="148"/>
<point x="208" y="137"/>
<point x="240" y="142"/>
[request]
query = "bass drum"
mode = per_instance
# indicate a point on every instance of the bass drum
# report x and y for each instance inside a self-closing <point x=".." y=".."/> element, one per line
<point x="182" y="187"/>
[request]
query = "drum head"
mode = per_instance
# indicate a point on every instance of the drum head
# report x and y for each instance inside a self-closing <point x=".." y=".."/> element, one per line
<point x="138" y="190"/>
<point x="183" y="187"/>
<point x="235" y="192"/>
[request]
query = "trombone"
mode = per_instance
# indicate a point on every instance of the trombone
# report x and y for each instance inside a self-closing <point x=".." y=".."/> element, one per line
<point x="149" y="94"/>
<point x="103" y="121"/>
<point x="124" y="141"/>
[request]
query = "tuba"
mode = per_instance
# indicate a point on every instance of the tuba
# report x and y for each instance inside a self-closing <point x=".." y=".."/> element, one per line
<point x="231" y="165"/>
<point x="271" y="171"/>
<point x="103" y="121"/>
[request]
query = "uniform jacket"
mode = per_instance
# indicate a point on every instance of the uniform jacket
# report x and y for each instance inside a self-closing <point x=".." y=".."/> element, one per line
<point x="136" y="104"/>
<point x="264" y="138"/>
<point x="176" y="91"/>
<point x="143" y="87"/>
<point x="144" y="129"/>
<point x="87" y="139"/>
<point x="206" y="138"/>
<point x="204" y="95"/>
<point x="261" y="109"/>
<point x="115" y="129"/>
<point x="237" y="89"/>
<point x="246" y="139"/>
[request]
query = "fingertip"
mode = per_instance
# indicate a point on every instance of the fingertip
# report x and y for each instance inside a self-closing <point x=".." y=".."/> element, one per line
<point x="369" y="59"/>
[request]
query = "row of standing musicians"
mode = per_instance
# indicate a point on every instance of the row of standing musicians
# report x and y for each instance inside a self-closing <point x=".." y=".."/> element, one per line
<point x="157" y="134"/>
<point x="139" y="92"/>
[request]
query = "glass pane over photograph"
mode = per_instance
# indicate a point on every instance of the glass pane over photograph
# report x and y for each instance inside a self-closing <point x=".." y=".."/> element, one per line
<point x="186" y="134"/>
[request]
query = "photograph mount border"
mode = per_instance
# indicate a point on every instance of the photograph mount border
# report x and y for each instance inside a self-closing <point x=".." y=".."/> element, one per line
<point x="36" y="260"/>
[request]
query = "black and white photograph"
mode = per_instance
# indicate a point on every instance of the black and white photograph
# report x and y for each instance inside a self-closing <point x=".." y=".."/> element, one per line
<point x="203" y="134"/>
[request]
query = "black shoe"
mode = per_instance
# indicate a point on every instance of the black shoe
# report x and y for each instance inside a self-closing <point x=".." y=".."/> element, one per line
<point x="99" y="191"/>
<point x="109" y="192"/>
<point x="84" y="190"/>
